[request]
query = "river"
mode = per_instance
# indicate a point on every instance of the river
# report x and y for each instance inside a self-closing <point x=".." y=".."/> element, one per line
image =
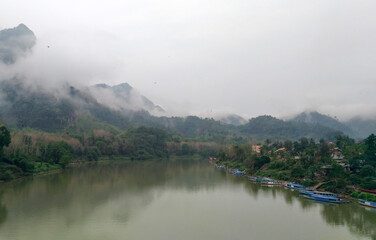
<point x="168" y="200"/>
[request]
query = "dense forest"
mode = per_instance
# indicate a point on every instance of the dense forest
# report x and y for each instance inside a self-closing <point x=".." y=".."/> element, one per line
<point x="337" y="164"/>
<point x="29" y="151"/>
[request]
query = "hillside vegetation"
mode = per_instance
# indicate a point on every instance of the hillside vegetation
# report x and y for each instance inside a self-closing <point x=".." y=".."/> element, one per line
<point x="337" y="164"/>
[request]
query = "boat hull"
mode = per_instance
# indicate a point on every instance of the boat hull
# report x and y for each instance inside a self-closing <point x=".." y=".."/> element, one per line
<point x="367" y="203"/>
<point x="366" y="190"/>
<point x="324" y="199"/>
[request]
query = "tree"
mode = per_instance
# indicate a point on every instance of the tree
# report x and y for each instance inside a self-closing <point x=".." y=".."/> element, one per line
<point x="342" y="141"/>
<point x="261" y="161"/>
<point x="367" y="171"/>
<point x="288" y="145"/>
<point x="297" y="172"/>
<point x="185" y="150"/>
<point x="370" y="152"/>
<point x="4" y="137"/>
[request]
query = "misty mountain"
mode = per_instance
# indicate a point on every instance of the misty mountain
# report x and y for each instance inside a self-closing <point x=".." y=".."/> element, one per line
<point x="78" y="110"/>
<point x="15" y="42"/>
<point x="323" y="120"/>
<point x="264" y="127"/>
<point x="362" y="127"/>
<point x="124" y="97"/>
<point x="21" y="107"/>
<point x="232" y="119"/>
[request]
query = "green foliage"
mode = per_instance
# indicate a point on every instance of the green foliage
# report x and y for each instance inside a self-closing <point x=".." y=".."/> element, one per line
<point x="147" y="142"/>
<point x="9" y="172"/>
<point x="343" y="141"/>
<point x="54" y="152"/>
<point x="4" y="137"/>
<point x="297" y="172"/>
<point x="323" y="120"/>
<point x="355" y="179"/>
<point x="44" y="167"/>
<point x="308" y="183"/>
<point x="336" y="171"/>
<point x="368" y="183"/>
<point x="185" y="150"/>
<point x="277" y="165"/>
<point x="92" y="154"/>
<point x="370" y="152"/>
<point x="367" y="171"/>
<point x="335" y="185"/>
<point x="261" y="161"/>
<point x="365" y="196"/>
<point x="312" y="162"/>
<point x="264" y="127"/>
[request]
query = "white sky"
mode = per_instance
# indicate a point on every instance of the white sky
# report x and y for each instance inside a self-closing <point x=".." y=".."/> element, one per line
<point x="249" y="57"/>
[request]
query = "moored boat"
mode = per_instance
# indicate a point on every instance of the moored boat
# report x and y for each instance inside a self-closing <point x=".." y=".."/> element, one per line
<point x="269" y="181"/>
<point x="310" y="192"/>
<point x="332" y="198"/>
<point x="222" y="168"/>
<point x="295" y="186"/>
<point x="237" y="172"/>
<point x="254" y="179"/>
<point x="306" y="191"/>
<point x="367" y="203"/>
<point x="366" y="190"/>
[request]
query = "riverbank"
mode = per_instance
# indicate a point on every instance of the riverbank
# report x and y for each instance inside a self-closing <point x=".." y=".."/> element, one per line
<point x="283" y="182"/>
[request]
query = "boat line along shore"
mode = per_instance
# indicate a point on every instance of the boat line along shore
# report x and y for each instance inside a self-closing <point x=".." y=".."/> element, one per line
<point x="317" y="195"/>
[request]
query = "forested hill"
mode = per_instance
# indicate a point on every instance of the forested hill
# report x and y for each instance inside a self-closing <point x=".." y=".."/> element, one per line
<point x="77" y="110"/>
<point x="323" y="120"/>
<point x="268" y="127"/>
<point x="356" y="127"/>
<point x="362" y="127"/>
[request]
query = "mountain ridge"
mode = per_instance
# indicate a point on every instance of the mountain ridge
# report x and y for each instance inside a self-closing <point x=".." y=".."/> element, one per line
<point x="126" y="97"/>
<point x="355" y="127"/>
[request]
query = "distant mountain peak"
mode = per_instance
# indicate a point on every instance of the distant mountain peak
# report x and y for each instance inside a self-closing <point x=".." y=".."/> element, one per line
<point x="102" y="85"/>
<point x="23" y="26"/>
<point x="315" y="117"/>
<point x="232" y="119"/>
<point x="123" y="85"/>
<point x="15" y="42"/>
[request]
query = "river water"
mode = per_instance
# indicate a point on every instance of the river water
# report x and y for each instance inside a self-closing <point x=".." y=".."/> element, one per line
<point x="168" y="200"/>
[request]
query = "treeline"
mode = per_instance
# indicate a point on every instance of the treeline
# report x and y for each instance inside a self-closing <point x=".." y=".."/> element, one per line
<point x="337" y="164"/>
<point x="268" y="127"/>
<point x="30" y="151"/>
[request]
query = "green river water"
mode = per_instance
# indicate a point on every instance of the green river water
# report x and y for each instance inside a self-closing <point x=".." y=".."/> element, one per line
<point x="168" y="201"/>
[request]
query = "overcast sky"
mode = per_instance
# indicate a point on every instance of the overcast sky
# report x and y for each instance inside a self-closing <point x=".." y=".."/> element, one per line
<point x="249" y="57"/>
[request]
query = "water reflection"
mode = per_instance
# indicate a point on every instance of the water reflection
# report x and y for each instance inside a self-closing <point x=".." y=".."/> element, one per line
<point x="3" y="211"/>
<point x="360" y="220"/>
<point x="92" y="201"/>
